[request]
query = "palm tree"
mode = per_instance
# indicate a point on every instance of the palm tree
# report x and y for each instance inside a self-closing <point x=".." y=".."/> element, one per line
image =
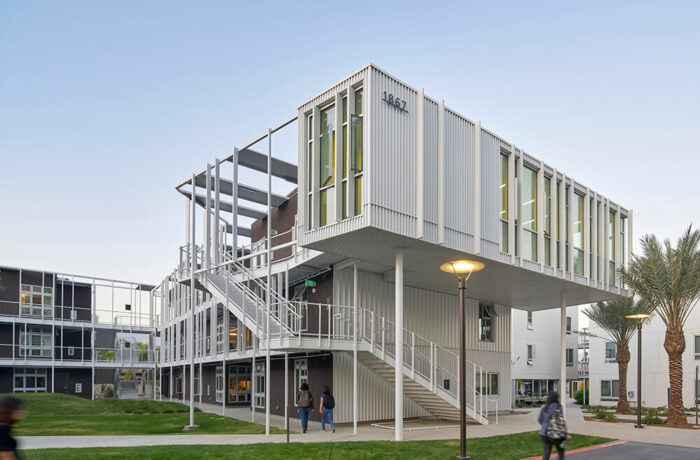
<point x="611" y="317"/>
<point x="669" y="279"/>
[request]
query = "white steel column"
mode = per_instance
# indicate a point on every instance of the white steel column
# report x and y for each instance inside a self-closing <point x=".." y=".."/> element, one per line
<point x="207" y="220"/>
<point x="234" y="206"/>
<point x="562" y="364"/>
<point x="217" y="194"/>
<point x="398" y="352"/>
<point x="286" y="390"/>
<point x="354" y="349"/>
<point x="193" y="300"/>
<point x="269" y="280"/>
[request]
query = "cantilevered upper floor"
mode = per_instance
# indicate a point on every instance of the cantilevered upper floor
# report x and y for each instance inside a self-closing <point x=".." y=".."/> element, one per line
<point x="384" y="166"/>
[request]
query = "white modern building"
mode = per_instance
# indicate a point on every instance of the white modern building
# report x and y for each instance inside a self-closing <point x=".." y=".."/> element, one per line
<point x="325" y="268"/>
<point x="536" y="354"/>
<point x="604" y="389"/>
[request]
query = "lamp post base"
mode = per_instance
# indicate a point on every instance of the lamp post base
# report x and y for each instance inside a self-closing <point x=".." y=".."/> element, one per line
<point x="638" y="426"/>
<point x="190" y="427"/>
<point x="459" y="457"/>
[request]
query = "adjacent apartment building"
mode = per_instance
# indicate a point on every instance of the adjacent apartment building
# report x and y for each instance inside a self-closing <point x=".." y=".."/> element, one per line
<point x="605" y="388"/>
<point x="325" y="268"/>
<point x="536" y="353"/>
<point x="75" y="334"/>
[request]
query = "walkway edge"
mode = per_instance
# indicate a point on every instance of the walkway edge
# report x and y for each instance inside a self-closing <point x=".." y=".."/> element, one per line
<point x="583" y="449"/>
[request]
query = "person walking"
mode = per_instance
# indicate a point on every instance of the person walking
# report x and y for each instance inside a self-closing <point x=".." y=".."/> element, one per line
<point x="326" y="408"/>
<point x="11" y="412"/>
<point x="305" y="402"/>
<point x="553" y="427"/>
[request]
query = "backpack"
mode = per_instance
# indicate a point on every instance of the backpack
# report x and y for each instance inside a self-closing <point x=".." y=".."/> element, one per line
<point x="304" y="399"/>
<point x="556" y="425"/>
<point x="328" y="402"/>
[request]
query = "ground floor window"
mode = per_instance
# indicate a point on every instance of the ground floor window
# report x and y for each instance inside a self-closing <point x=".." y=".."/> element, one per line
<point x="301" y="373"/>
<point x="489" y="385"/>
<point x="219" y="396"/>
<point x="30" y="380"/>
<point x="259" y="384"/>
<point x="239" y="384"/>
<point x="609" y="388"/>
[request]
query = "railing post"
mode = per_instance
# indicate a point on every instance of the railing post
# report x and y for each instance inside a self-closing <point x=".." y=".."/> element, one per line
<point x="330" y="314"/>
<point x="481" y="391"/>
<point x="383" y="347"/>
<point x="319" y="323"/>
<point x="474" y="391"/>
<point x="371" y="327"/>
<point x="432" y="366"/>
<point x="413" y="355"/>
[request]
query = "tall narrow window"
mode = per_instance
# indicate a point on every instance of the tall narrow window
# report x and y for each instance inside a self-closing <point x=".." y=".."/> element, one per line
<point x="529" y="320"/>
<point x="301" y="373"/>
<point x="529" y="214"/>
<point x="610" y="352"/>
<point x="356" y="138"/>
<point x="547" y="220"/>
<point x="504" y="203"/>
<point x="486" y="322"/>
<point x="310" y="164"/>
<point x="611" y="248"/>
<point x="623" y="230"/>
<point x="577" y="212"/>
<point x="327" y="164"/>
<point x="259" y="384"/>
<point x="530" y="354"/>
<point x="570" y="357"/>
<point x="219" y="395"/>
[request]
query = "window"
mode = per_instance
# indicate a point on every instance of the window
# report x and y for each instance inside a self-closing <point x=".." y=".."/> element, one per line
<point x="485" y="322"/>
<point x="577" y="212"/>
<point x="29" y="380"/>
<point x="568" y="324"/>
<point x="356" y="146"/>
<point x="529" y="214"/>
<point x="697" y="347"/>
<point x="78" y="387"/>
<point x="610" y="352"/>
<point x="623" y="229"/>
<point x="233" y="336"/>
<point x="219" y="396"/>
<point x="609" y="388"/>
<point x="310" y="163"/>
<point x="220" y="334"/>
<point x="259" y="384"/>
<point x="301" y="373"/>
<point x="570" y="357"/>
<point x="35" y="342"/>
<point x="611" y="248"/>
<point x="547" y="220"/>
<point x="504" y="203"/>
<point x="37" y="300"/>
<point x="531" y="354"/>
<point x="239" y="384"/>
<point x="490" y="384"/>
<point x="529" y="320"/>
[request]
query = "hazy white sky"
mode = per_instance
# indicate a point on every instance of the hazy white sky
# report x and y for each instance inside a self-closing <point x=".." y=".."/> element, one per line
<point x="104" y="107"/>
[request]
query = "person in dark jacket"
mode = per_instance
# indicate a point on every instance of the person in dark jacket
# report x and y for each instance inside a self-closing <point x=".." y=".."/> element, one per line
<point x="326" y="408"/>
<point x="305" y="402"/>
<point x="543" y="419"/>
<point x="11" y="412"/>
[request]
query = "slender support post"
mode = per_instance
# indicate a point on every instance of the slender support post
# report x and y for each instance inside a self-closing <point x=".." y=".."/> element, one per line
<point x="398" y="351"/>
<point x="697" y="394"/>
<point x="462" y="374"/>
<point x="354" y="351"/>
<point x="639" y="375"/>
<point x="562" y="363"/>
<point x="269" y="280"/>
<point x="193" y="300"/>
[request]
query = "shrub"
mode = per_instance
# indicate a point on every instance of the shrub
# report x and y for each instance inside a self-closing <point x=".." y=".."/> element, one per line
<point x="109" y="392"/>
<point x="652" y="416"/>
<point x="604" y="415"/>
<point x="578" y="396"/>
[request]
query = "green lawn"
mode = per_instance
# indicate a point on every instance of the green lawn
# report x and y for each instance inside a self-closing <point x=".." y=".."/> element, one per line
<point x="64" y="415"/>
<point x="514" y="447"/>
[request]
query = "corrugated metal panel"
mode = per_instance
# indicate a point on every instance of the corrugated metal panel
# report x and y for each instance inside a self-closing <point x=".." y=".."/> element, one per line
<point x="376" y="395"/>
<point x="393" y="152"/>
<point x="429" y="314"/>
<point x="459" y="171"/>
<point x="430" y="171"/>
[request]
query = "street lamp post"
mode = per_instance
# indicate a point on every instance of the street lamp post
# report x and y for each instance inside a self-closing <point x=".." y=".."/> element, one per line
<point x="640" y="317"/>
<point x="463" y="269"/>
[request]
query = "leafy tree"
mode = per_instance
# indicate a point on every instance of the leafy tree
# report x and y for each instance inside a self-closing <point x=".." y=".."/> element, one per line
<point x="611" y="317"/>
<point x="669" y="279"/>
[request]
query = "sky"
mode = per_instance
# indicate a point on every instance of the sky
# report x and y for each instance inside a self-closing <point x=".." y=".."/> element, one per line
<point x="106" y="106"/>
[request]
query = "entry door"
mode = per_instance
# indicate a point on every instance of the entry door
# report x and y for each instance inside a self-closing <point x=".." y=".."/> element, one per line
<point x="61" y="382"/>
<point x="239" y="384"/>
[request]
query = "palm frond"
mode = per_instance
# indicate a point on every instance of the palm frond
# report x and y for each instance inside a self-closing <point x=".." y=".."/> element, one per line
<point x="611" y="317"/>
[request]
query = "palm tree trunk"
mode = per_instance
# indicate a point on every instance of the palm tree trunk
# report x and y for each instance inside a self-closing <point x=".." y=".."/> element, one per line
<point x="623" y="359"/>
<point x="675" y="346"/>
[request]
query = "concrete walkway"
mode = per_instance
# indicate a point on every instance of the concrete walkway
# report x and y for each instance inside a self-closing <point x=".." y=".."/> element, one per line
<point x="522" y="421"/>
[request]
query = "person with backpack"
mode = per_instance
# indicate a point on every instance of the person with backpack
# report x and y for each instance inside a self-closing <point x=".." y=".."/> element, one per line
<point x="11" y="411"/>
<point x="553" y="426"/>
<point x="305" y="402"/>
<point x="326" y="408"/>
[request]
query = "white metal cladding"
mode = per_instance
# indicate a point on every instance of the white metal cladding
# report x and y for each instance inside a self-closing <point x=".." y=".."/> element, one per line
<point x="432" y="315"/>
<point x="491" y="147"/>
<point x="430" y="174"/>
<point x="393" y="147"/>
<point x="375" y="395"/>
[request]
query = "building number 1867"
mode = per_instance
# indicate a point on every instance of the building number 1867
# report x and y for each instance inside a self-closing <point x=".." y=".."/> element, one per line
<point x="394" y="101"/>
